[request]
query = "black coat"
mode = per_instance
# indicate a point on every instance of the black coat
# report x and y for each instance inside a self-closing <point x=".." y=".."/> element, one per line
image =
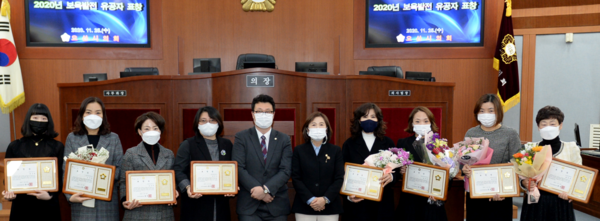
<point x="355" y="151"/>
<point x="317" y="176"/>
<point x="23" y="205"/>
<point x="414" y="207"/>
<point x="203" y="207"/>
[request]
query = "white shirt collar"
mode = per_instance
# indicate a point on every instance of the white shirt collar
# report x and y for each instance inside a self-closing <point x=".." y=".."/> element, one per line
<point x="267" y="135"/>
<point x="369" y="139"/>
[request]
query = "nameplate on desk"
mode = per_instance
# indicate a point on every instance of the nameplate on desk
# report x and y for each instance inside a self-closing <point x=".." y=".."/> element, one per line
<point x="404" y="93"/>
<point x="115" y="93"/>
<point x="260" y="81"/>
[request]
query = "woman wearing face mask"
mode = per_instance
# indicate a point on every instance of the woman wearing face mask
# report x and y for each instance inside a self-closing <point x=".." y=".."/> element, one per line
<point x="368" y="137"/>
<point x="505" y="141"/>
<point x="148" y="155"/>
<point x="207" y="145"/>
<point x="91" y="127"/>
<point x="551" y="206"/>
<point x="317" y="162"/>
<point x="413" y="207"/>
<point x="37" y="141"/>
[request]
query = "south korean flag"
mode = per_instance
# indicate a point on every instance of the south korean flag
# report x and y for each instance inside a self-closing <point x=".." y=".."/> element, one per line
<point x="12" y="93"/>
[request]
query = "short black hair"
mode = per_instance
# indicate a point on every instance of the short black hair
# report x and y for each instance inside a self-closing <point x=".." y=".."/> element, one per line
<point x="549" y="112"/>
<point x="38" y="109"/>
<point x="214" y="114"/>
<point x="263" y="98"/>
<point x="153" y="116"/>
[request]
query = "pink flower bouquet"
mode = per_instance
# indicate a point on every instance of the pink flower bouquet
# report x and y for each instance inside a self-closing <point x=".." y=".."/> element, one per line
<point x="389" y="159"/>
<point x="474" y="151"/>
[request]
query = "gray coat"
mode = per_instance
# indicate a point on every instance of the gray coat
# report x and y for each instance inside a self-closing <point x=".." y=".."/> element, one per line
<point x="253" y="171"/>
<point x="137" y="158"/>
<point x="103" y="210"/>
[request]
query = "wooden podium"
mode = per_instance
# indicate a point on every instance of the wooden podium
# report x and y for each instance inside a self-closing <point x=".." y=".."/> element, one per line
<point x="177" y="98"/>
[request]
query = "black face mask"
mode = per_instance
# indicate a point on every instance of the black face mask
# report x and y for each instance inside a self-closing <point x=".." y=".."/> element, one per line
<point x="38" y="127"/>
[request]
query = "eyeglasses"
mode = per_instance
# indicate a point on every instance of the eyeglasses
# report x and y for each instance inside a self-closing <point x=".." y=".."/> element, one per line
<point x="203" y="121"/>
<point x="263" y="112"/>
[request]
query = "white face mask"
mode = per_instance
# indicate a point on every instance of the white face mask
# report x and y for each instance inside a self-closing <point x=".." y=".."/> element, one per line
<point x="208" y="129"/>
<point x="317" y="134"/>
<point x="151" y="137"/>
<point x="92" y="121"/>
<point x="422" y="129"/>
<point x="549" y="132"/>
<point x="487" y="120"/>
<point x="263" y="121"/>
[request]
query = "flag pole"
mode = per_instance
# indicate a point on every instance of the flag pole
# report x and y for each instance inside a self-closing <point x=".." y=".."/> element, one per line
<point x="14" y="127"/>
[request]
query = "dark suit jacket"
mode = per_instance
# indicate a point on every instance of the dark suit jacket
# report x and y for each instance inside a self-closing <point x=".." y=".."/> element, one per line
<point x="195" y="149"/>
<point x="355" y="151"/>
<point x="414" y="207"/>
<point x="317" y="176"/>
<point x="252" y="170"/>
<point x="137" y="158"/>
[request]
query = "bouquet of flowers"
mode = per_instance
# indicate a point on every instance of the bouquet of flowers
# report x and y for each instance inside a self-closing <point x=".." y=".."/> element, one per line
<point x="532" y="162"/>
<point x="474" y="151"/>
<point x="389" y="159"/>
<point x="89" y="154"/>
<point x="439" y="153"/>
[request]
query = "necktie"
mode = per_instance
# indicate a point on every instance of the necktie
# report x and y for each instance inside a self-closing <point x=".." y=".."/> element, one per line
<point x="263" y="144"/>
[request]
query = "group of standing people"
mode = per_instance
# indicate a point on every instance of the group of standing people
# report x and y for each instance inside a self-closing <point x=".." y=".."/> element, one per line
<point x="266" y="162"/>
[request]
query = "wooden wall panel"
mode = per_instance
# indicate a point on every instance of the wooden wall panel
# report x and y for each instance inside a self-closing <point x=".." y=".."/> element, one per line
<point x="564" y="10"/>
<point x="519" y="4"/>
<point x="473" y="78"/>
<point x="309" y="30"/>
<point x="557" y="21"/>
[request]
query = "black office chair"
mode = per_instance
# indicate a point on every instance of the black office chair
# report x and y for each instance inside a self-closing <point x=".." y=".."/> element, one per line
<point x="258" y="58"/>
<point x="396" y="69"/>
<point x="94" y="77"/>
<point x="153" y="70"/>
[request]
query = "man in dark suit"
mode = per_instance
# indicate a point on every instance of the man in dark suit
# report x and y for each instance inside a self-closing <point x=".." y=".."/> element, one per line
<point x="264" y="159"/>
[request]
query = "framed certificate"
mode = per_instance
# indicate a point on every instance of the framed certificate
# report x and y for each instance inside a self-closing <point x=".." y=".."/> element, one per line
<point x="151" y="186"/>
<point x="563" y="176"/>
<point x="26" y="175"/>
<point x="489" y="180"/>
<point x="362" y="181"/>
<point x="94" y="180"/>
<point x="426" y="180"/>
<point x="214" y="177"/>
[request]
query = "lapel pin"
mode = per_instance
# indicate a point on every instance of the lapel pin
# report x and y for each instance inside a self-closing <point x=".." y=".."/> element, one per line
<point x="328" y="158"/>
<point x="275" y="138"/>
<point x="223" y="152"/>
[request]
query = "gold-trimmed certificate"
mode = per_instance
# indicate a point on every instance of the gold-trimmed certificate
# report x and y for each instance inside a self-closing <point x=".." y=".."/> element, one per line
<point x="362" y="181"/>
<point x="94" y="180"/>
<point x="214" y="177"/>
<point x="426" y="180"/>
<point x="563" y="176"/>
<point x="151" y="187"/>
<point x="26" y="175"/>
<point x="489" y="180"/>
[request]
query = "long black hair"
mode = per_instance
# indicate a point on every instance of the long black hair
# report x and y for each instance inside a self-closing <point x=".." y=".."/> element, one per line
<point x="38" y="109"/>
<point x="79" y="127"/>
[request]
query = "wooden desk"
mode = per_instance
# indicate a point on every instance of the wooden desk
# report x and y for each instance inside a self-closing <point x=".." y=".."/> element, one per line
<point x="177" y="98"/>
<point x="593" y="206"/>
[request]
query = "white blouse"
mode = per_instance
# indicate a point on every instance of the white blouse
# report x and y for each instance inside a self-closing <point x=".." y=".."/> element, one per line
<point x="569" y="151"/>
